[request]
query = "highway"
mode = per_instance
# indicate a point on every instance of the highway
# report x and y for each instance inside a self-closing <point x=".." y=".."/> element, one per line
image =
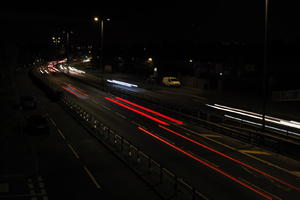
<point x="214" y="164"/>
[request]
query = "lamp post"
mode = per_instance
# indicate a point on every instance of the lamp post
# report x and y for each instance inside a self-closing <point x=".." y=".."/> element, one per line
<point x="265" y="66"/>
<point x="97" y="19"/>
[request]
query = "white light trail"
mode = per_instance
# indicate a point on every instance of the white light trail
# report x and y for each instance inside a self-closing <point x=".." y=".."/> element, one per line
<point x="292" y="124"/>
<point x="121" y="83"/>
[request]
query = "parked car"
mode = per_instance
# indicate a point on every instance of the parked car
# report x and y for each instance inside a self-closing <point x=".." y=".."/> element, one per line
<point x="27" y="102"/>
<point x="37" y="125"/>
<point x="171" y="82"/>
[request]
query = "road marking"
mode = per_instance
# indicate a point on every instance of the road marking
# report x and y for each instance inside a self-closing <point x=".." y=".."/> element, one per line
<point x="255" y="152"/>
<point x="74" y="152"/>
<point x="211" y="135"/>
<point x="107" y="108"/>
<point x="255" y="186"/>
<point x="297" y="173"/>
<point x="246" y="154"/>
<point x="121" y="115"/>
<point x="92" y="177"/>
<point x="61" y="134"/>
<point x="54" y="124"/>
<point x="136" y="123"/>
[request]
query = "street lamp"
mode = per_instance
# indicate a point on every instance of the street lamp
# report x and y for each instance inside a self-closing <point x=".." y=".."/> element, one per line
<point x="265" y="66"/>
<point x="97" y="19"/>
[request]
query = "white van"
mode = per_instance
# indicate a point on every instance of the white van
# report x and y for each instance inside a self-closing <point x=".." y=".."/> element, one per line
<point x="171" y="81"/>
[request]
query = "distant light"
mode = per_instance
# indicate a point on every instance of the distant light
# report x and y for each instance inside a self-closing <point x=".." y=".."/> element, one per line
<point x="121" y="83"/>
<point x="155" y="69"/>
<point x="96" y="19"/>
<point x="150" y="59"/>
<point x="108" y="19"/>
<point x="221" y="73"/>
<point x="190" y="60"/>
<point x="86" y="60"/>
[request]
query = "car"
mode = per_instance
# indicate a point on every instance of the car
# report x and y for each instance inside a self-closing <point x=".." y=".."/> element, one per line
<point x="27" y="102"/>
<point x="171" y="81"/>
<point x="37" y="125"/>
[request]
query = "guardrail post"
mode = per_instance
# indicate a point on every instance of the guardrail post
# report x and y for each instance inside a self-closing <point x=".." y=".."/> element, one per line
<point x="175" y="185"/>
<point x="122" y="143"/>
<point x="138" y="159"/>
<point x="149" y="165"/>
<point x="160" y="174"/>
<point x="193" y="193"/>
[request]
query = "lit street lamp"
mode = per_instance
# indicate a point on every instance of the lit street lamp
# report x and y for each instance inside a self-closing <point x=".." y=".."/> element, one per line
<point x="97" y="19"/>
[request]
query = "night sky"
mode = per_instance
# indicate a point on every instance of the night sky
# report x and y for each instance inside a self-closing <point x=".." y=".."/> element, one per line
<point x="214" y="20"/>
<point x="151" y="22"/>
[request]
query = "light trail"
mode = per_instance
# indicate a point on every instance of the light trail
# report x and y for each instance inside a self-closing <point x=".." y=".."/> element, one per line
<point x="292" y="124"/>
<point x="233" y="159"/>
<point x="137" y="111"/>
<point x="151" y="111"/>
<point x="79" y="91"/>
<point x="70" y="91"/>
<point x="208" y="165"/>
<point x="121" y="83"/>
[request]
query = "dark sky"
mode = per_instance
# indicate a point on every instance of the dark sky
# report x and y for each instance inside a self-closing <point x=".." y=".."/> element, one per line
<point x="204" y="21"/>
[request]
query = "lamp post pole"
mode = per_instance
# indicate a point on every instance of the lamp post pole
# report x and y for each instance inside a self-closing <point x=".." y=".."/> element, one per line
<point x="96" y="19"/>
<point x="265" y="67"/>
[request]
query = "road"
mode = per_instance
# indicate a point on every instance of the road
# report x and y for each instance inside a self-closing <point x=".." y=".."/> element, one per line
<point x="66" y="164"/>
<point x="219" y="167"/>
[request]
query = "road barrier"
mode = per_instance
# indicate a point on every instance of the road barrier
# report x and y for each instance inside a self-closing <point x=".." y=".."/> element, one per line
<point x="161" y="180"/>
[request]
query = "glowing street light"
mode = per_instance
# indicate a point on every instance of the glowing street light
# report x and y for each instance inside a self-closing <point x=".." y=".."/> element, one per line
<point x="97" y="19"/>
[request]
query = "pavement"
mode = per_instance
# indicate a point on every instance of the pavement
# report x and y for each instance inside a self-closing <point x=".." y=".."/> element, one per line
<point x="67" y="164"/>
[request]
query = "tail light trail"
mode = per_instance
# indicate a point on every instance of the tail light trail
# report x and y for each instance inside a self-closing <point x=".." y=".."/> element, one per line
<point x="208" y="165"/>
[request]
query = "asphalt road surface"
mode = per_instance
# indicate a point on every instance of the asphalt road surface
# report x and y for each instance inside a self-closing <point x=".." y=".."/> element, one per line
<point x="218" y="166"/>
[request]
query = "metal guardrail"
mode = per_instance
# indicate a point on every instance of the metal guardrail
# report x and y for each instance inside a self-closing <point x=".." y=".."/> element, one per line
<point x="164" y="182"/>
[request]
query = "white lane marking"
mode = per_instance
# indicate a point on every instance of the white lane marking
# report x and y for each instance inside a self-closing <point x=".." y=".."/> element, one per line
<point x="61" y="134"/>
<point x="54" y="124"/>
<point x="121" y="115"/>
<point x="136" y="123"/>
<point x="107" y="108"/>
<point x="74" y="152"/>
<point x="91" y="177"/>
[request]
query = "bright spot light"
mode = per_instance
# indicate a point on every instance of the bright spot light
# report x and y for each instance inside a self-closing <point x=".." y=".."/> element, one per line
<point x="96" y="19"/>
<point x="150" y="60"/>
<point x="190" y="60"/>
<point x="155" y="69"/>
<point x="221" y="73"/>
